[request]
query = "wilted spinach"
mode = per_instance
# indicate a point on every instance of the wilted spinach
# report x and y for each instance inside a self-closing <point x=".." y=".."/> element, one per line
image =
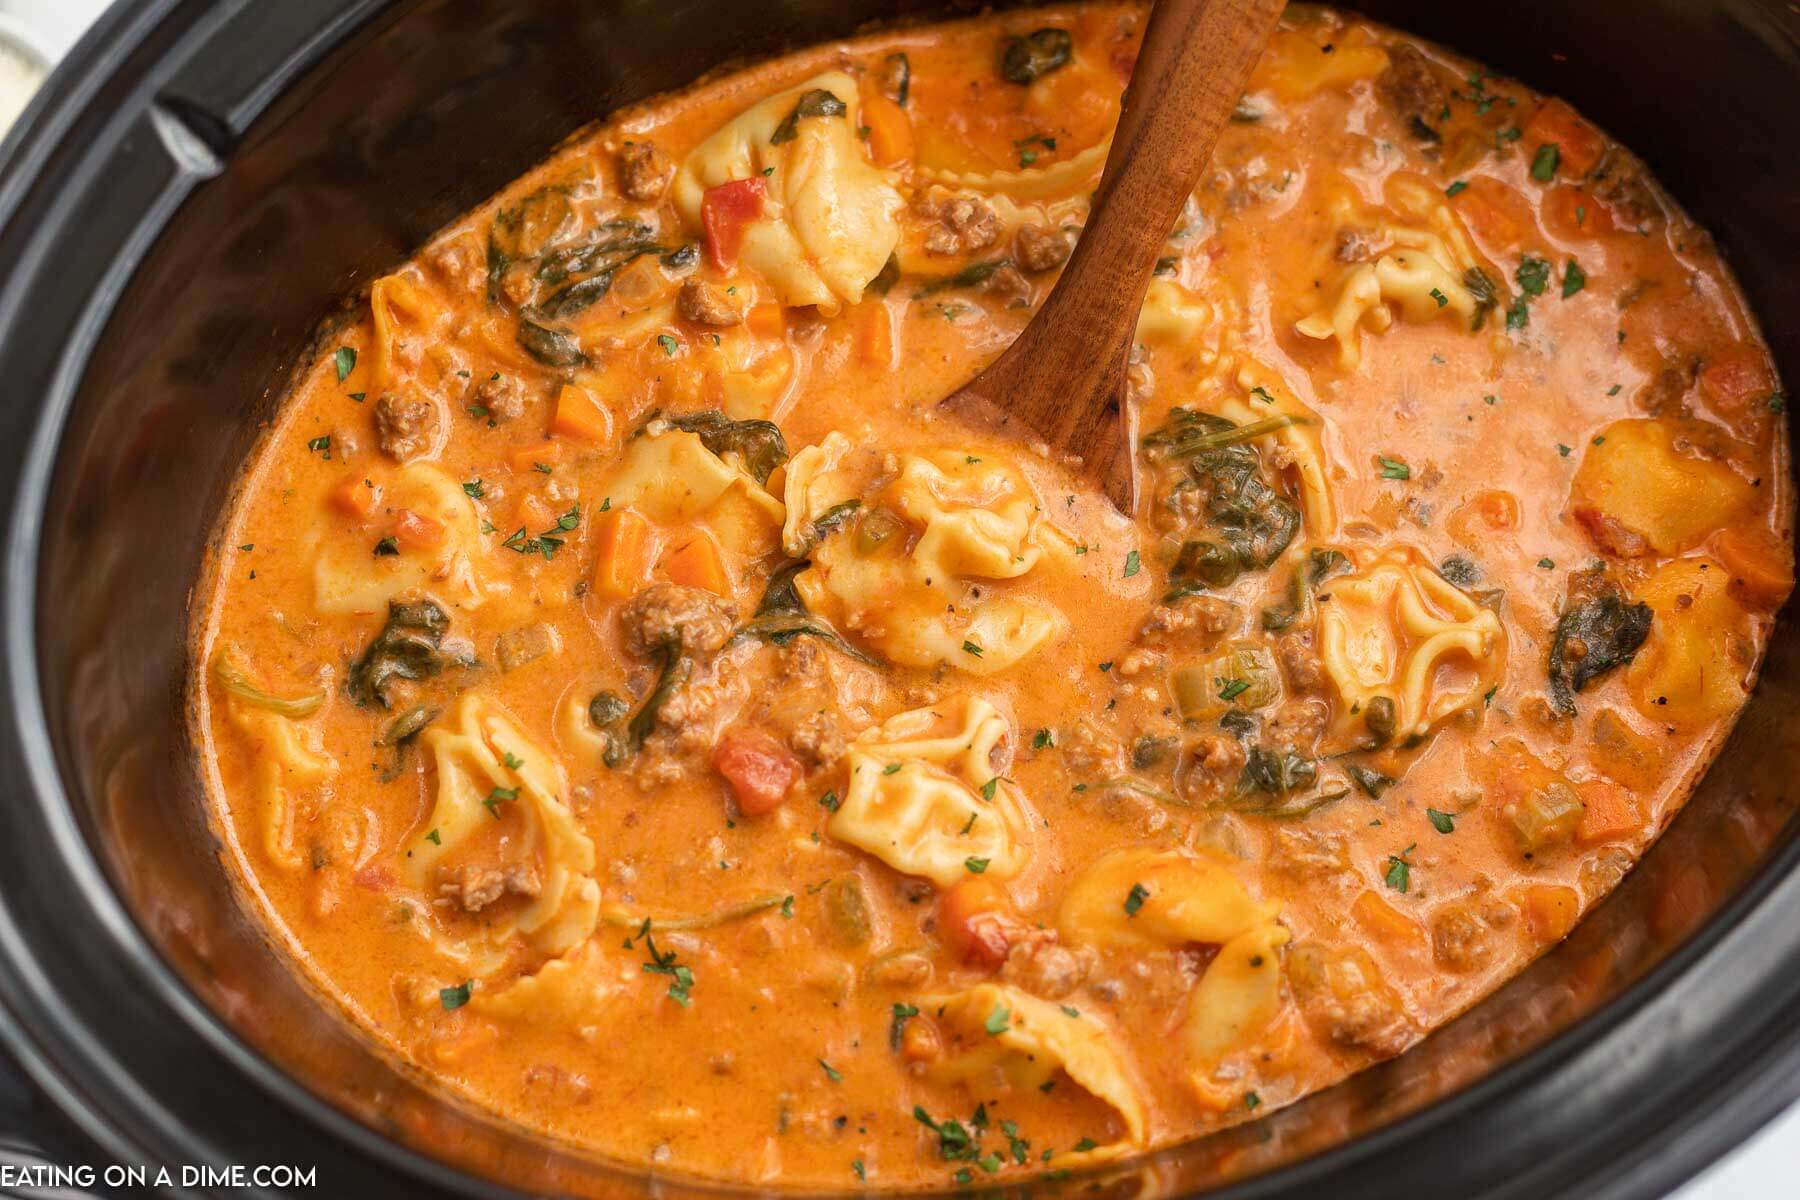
<point x="812" y="104"/>
<point x="406" y="648"/>
<point x="758" y="443"/>
<point x="781" y="617"/>
<point x="1270" y="784"/>
<point x="1248" y="524"/>
<point x="1026" y="60"/>
<point x="1601" y="632"/>
<point x="552" y="347"/>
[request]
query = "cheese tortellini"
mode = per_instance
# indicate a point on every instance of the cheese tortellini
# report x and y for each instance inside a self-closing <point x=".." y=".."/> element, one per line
<point x="1141" y="898"/>
<point x="1637" y="494"/>
<point x="672" y="478"/>
<point x="899" y="577"/>
<point x="924" y="794"/>
<point x="830" y="218"/>
<point x="1397" y="631"/>
<point x="288" y="754"/>
<point x="1426" y="258"/>
<point x="348" y="579"/>
<point x="500" y="794"/>
<point x="993" y="1027"/>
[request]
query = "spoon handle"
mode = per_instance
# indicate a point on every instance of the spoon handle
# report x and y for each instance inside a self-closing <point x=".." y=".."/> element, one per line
<point x="1063" y="376"/>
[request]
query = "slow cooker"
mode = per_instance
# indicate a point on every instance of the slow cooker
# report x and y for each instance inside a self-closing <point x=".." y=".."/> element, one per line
<point x="199" y="187"/>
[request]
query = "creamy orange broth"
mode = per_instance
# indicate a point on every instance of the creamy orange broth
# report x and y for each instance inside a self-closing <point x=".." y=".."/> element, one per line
<point x="1132" y="891"/>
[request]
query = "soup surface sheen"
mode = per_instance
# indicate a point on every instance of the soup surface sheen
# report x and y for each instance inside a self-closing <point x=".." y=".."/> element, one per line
<point x="628" y="700"/>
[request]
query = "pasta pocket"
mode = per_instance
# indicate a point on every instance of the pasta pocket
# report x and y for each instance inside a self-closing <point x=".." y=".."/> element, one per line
<point x="1405" y="649"/>
<point x="924" y="795"/>
<point x="1636" y="493"/>
<point x="347" y="578"/>
<point x="1420" y="261"/>
<point x="1694" y="668"/>
<point x="899" y="578"/>
<point x="288" y="755"/>
<point x="995" y="1029"/>
<point x="500" y="807"/>
<point x="672" y="478"/>
<point x="570" y="992"/>
<point x="1139" y="898"/>
<point x="825" y="218"/>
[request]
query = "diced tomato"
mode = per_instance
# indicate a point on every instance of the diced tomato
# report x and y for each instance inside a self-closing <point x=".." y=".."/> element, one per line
<point x="724" y="212"/>
<point x="1579" y="145"/>
<point x="976" y="922"/>
<point x="1737" y="382"/>
<point x="376" y="877"/>
<point x="759" y="769"/>
<point x="414" y="532"/>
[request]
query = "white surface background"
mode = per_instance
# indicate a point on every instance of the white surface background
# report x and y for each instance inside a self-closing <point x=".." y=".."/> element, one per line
<point x="1765" y="1168"/>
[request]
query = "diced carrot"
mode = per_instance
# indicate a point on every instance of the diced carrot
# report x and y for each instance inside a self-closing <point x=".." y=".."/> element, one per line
<point x="697" y="563"/>
<point x="579" y="415"/>
<point x="1493" y="212"/>
<point x="1385" y="922"/>
<point x="1737" y="383"/>
<point x="1550" y="910"/>
<point x="1571" y="213"/>
<point x="976" y="922"/>
<point x="535" y="456"/>
<point x="875" y="333"/>
<point x="1578" y="144"/>
<point x="355" y="497"/>
<point x="1611" y="813"/>
<point x="621" y="553"/>
<point x="1762" y="573"/>
<point x="725" y="211"/>
<point x="890" y="129"/>
<point x="765" y="320"/>
<point x="919" y="1041"/>
<point x="760" y="770"/>
<point x="415" y="532"/>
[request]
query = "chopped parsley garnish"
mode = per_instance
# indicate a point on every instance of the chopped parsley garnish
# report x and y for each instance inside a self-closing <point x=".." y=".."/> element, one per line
<point x="386" y="546"/>
<point x="1399" y="871"/>
<point x="1074" y="1014"/>
<point x="1042" y="738"/>
<point x="453" y="998"/>
<point x="856" y="1164"/>
<point x="976" y="866"/>
<point x="1394" y="468"/>
<point x="829" y="802"/>
<point x="1252" y="1101"/>
<point x="681" y="983"/>
<point x="831" y="1072"/>
<point x="345" y="358"/>
<point x="890" y="769"/>
<point x="1518" y="315"/>
<point x="1134" y="899"/>
<point x="513" y="762"/>
<point x="897" y="1030"/>
<point x="971" y="648"/>
<point x="435" y="838"/>
<point x="1562" y="450"/>
<point x="1544" y="163"/>
<point x="1132" y="564"/>
<point x="498" y="796"/>
<point x="990" y="787"/>
<point x="1439" y="296"/>
<point x="321" y="445"/>
<point x="1085" y="1144"/>
<point x="1456" y="188"/>
<point x="997" y="1022"/>
<point x="1574" y="279"/>
<point x="1443" y="822"/>
<point x="1533" y="275"/>
<point x="474" y="490"/>
<point x="787" y="908"/>
<point x="667" y="343"/>
<point x="1232" y="689"/>
<point x="1547" y="564"/>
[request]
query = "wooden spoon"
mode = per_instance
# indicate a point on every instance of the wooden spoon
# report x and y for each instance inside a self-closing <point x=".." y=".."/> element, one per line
<point x="1063" y="380"/>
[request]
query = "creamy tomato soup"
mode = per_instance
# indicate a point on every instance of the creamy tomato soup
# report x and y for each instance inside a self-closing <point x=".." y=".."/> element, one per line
<point x="629" y="700"/>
